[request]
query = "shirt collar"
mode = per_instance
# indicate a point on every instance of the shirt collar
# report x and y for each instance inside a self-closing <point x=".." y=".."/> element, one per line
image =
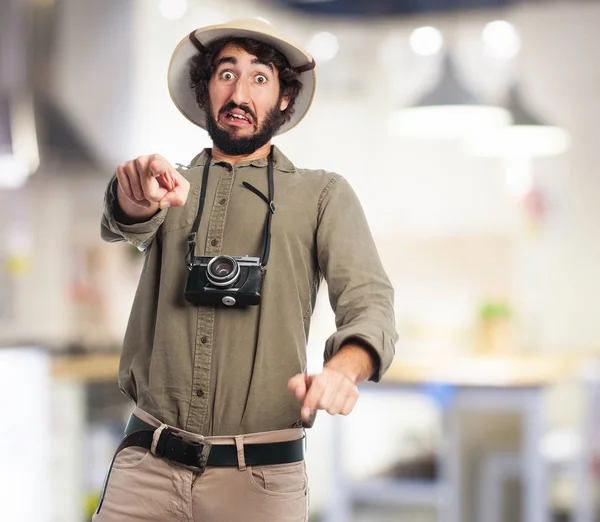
<point x="280" y="161"/>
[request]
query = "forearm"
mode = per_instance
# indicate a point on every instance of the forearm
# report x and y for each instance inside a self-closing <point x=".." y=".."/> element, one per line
<point x="354" y="361"/>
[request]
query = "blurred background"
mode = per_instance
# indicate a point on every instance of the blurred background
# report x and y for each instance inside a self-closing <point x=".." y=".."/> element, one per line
<point x="468" y="128"/>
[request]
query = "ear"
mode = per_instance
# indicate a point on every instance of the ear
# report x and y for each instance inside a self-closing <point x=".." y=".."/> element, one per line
<point x="285" y="101"/>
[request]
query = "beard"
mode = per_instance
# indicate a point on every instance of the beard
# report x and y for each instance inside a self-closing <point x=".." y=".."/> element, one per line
<point x="226" y="139"/>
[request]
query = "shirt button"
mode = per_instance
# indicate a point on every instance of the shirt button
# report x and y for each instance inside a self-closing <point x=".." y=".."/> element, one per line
<point x="200" y="393"/>
<point x="222" y="201"/>
<point x="214" y="242"/>
<point x="204" y="340"/>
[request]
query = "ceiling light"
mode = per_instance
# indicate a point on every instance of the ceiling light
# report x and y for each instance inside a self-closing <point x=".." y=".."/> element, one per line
<point x="323" y="46"/>
<point x="18" y="142"/>
<point x="501" y="39"/>
<point x="448" y="111"/>
<point x="426" y="41"/>
<point x="528" y="136"/>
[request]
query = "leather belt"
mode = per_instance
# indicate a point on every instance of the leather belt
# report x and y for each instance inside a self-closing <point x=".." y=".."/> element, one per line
<point x="199" y="454"/>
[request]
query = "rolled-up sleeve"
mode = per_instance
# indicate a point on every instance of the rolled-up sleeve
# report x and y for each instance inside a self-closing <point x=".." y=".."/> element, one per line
<point x="360" y="292"/>
<point x="139" y="235"/>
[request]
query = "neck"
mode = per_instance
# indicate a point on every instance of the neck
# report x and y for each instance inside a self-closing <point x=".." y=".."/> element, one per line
<point x="263" y="152"/>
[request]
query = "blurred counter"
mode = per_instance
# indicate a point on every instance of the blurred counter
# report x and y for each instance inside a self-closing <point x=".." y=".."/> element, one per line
<point x="486" y="371"/>
<point x="89" y="367"/>
<point x="530" y="370"/>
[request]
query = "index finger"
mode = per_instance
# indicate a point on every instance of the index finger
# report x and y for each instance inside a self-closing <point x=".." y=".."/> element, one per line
<point x="313" y="397"/>
<point x="158" y="166"/>
<point x="160" y="169"/>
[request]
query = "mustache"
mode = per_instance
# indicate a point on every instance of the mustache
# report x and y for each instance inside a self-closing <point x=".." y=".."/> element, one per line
<point x="231" y="105"/>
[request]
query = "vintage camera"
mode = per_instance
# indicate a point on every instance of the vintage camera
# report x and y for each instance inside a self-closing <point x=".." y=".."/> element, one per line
<point x="224" y="280"/>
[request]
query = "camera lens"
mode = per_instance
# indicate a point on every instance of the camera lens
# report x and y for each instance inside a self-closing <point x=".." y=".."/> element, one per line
<point x="223" y="268"/>
<point x="222" y="271"/>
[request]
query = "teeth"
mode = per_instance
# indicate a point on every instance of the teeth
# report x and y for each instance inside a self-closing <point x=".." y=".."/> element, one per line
<point x="238" y="116"/>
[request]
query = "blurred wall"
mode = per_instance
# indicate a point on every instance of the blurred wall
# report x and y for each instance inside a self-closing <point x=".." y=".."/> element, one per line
<point x="448" y="232"/>
<point x="94" y="73"/>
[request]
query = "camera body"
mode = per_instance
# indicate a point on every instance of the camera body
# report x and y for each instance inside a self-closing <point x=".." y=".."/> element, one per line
<point x="234" y="281"/>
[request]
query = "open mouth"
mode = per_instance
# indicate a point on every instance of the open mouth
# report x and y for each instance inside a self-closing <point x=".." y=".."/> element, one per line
<point x="236" y="118"/>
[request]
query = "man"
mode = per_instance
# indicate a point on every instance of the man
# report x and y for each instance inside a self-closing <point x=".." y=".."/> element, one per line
<point x="235" y="248"/>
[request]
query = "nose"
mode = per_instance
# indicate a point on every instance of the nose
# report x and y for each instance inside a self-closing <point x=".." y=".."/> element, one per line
<point x="241" y="92"/>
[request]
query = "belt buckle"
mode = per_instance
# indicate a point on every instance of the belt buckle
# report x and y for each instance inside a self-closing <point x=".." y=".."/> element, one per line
<point x="203" y="456"/>
<point x="202" y="449"/>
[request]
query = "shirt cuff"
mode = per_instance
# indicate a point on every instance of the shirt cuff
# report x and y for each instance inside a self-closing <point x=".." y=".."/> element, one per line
<point x="379" y="345"/>
<point x="138" y="234"/>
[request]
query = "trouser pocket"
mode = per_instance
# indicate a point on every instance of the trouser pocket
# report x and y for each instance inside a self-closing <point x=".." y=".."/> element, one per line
<point x="124" y="458"/>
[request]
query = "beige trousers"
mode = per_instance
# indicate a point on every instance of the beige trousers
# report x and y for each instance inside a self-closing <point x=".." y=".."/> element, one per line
<point x="144" y="488"/>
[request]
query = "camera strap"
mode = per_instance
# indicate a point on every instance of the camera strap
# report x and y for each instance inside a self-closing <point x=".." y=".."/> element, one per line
<point x="269" y="201"/>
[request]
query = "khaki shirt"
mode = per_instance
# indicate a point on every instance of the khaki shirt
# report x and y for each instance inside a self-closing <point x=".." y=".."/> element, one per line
<point x="224" y="371"/>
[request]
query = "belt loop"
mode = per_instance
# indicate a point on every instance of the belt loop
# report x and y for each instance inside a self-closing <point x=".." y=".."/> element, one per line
<point x="239" y="444"/>
<point x="155" y="436"/>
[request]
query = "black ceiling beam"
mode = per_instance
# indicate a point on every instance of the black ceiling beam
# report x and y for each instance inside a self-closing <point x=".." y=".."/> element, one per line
<point x="371" y="8"/>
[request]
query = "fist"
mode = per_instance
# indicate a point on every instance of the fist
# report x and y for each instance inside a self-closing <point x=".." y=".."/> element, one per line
<point x="150" y="182"/>
<point x="329" y="390"/>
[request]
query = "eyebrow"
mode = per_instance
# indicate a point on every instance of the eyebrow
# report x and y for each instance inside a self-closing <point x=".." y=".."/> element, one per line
<point x="258" y="61"/>
<point x="233" y="61"/>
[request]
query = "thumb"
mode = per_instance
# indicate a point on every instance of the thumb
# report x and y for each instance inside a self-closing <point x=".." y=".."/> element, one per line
<point x="177" y="196"/>
<point x="297" y="385"/>
<point x="308" y="400"/>
<point x="172" y="198"/>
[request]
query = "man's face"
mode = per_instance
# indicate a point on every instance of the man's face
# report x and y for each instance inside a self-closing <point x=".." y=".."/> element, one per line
<point x="245" y="107"/>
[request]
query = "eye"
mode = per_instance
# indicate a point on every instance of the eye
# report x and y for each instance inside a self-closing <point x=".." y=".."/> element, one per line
<point x="227" y="75"/>
<point x="261" y="78"/>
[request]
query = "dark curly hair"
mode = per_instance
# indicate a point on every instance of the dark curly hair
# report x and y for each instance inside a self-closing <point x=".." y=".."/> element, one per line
<point x="202" y="67"/>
